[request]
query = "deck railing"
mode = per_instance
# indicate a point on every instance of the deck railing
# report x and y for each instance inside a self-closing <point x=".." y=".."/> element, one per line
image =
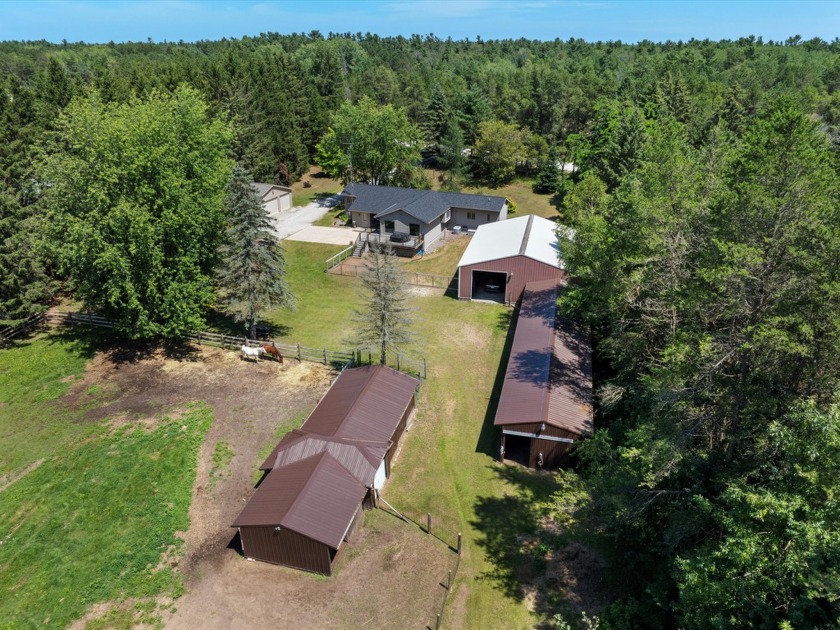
<point x="341" y="256"/>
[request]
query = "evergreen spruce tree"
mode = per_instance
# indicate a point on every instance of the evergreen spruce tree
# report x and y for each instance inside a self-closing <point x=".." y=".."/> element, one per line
<point x="547" y="181"/>
<point x="436" y="117"/>
<point x="253" y="270"/>
<point x="384" y="319"/>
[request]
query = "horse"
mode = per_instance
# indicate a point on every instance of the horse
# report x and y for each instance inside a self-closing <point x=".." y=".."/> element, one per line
<point x="273" y="351"/>
<point x="251" y="353"/>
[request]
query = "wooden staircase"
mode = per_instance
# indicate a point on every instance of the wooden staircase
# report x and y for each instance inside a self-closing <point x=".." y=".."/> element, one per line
<point x="361" y="243"/>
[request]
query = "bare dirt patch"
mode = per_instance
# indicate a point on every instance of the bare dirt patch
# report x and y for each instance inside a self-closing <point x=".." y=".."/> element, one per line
<point x="388" y="576"/>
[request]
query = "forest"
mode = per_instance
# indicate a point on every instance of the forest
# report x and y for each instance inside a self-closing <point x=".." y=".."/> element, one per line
<point x="705" y="253"/>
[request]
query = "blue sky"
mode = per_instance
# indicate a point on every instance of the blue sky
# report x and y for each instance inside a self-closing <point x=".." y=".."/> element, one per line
<point x="629" y="21"/>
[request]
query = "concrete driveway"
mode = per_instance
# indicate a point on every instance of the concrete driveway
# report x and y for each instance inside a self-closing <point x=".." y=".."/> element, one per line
<point x="294" y="220"/>
<point x="327" y="235"/>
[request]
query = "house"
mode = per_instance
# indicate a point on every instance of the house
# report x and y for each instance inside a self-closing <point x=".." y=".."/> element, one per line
<point x="546" y="399"/>
<point x="503" y="257"/>
<point x="274" y="198"/>
<point x="422" y="215"/>
<point x="320" y="477"/>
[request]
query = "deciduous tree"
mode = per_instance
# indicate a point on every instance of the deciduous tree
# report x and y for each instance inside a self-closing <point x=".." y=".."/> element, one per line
<point x="378" y="143"/>
<point x="134" y="196"/>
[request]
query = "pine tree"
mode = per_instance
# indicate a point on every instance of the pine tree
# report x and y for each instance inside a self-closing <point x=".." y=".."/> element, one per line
<point x="253" y="272"/>
<point x="436" y="117"/>
<point x="384" y="318"/>
<point x="547" y="181"/>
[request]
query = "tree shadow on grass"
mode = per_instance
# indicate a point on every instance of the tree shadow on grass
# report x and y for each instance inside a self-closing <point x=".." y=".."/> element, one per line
<point x="532" y="555"/>
<point x="219" y="322"/>
<point x="487" y="438"/>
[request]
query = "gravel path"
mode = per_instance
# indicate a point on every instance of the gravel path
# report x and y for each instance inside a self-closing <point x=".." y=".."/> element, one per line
<point x="294" y="220"/>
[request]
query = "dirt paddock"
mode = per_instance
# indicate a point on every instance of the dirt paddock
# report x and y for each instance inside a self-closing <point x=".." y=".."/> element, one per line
<point x="388" y="576"/>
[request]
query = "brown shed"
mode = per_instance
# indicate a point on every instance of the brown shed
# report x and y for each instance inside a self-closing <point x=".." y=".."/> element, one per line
<point x="546" y="399"/>
<point x="320" y="476"/>
<point x="503" y="257"/>
<point x="301" y="513"/>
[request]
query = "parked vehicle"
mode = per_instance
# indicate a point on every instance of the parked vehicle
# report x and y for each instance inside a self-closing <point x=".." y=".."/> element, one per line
<point x="400" y="237"/>
<point x="493" y="286"/>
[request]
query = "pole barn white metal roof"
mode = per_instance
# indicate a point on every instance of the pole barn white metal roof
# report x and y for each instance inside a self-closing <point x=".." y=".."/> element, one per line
<point x="529" y="235"/>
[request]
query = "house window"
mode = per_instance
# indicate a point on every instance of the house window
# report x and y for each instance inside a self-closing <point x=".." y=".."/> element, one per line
<point x="414" y="229"/>
<point x="389" y="227"/>
<point x="471" y="215"/>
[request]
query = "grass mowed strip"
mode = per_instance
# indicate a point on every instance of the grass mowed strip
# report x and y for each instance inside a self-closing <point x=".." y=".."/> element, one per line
<point x="93" y="522"/>
<point x="34" y="374"/>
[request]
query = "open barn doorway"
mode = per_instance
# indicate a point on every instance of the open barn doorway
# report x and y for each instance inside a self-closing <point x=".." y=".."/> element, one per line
<point x="489" y="285"/>
<point x="518" y="449"/>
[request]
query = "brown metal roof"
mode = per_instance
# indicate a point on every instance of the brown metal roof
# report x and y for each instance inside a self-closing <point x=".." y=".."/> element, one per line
<point x="316" y="497"/>
<point x="360" y="458"/>
<point x="549" y="373"/>
<point x="364" y="403"/>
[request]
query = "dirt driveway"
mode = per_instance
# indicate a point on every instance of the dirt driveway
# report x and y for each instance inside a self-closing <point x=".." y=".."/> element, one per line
<point x="388" y="576"/>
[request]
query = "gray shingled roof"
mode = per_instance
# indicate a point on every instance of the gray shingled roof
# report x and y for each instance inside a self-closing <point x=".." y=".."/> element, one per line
<point x="425" y="205"/>
<point x="262" y="189"/>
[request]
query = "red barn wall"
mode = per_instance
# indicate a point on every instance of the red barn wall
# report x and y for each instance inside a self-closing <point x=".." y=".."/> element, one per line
<point x="520" y="270"/>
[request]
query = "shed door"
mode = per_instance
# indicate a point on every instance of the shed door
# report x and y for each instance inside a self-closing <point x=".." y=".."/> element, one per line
<point x="379" y="478"/>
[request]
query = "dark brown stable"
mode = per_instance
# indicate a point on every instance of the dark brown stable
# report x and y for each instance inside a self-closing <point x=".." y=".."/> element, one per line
<point x="547" y="391"/>
<point x="321" y="476"/>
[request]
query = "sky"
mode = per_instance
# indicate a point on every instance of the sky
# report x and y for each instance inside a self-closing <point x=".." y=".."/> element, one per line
<point x="626" y="20"/>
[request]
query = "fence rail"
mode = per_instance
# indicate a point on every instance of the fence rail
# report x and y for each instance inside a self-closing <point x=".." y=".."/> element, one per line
<point x="414" y="278"/>
<point x="341" y="256"/>
<point x="402" y="363"/>
<point x="10" y="332"/>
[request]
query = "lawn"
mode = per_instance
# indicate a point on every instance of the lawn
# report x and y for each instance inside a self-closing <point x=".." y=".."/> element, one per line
<point x="325" y="301"/>
<point x="520" y="191"/>
<point x="446" y="465"/>
<point x="34" y="374"/>
<point x="90" y="524"/>
<point x="442" y="261"/>
<point x="319" y="184"/>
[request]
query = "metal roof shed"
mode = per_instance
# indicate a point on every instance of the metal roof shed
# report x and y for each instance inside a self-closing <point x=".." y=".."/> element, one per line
<point x="320" y="476"/>
<point x="301" y="513"/>
<point x="546" y="399"/>
<point x="503" y="257"/>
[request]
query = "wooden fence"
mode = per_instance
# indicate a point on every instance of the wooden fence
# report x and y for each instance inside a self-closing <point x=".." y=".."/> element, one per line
<point x="414" y="278"/>
<point x="410" y="365"/>
<point x="10" y="332"/>
<point x="294" y="351"/>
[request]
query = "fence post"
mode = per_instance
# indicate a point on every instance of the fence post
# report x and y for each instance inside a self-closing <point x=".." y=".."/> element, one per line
<point x="437" y="623"/>
<point x="398" y="362"/>
<point x="424" y="367"/>
<point x="449" y="580"/>
<point x="428" y="523"/>
<point x="325" y="356"/>
<point x="459" y="543"/>
<point x="298" y="352"/>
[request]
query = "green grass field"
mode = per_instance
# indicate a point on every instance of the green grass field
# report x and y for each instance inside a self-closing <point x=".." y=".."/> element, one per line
<point x="446" y="466"/>
<point x="34" y="374"/>
<point x="91" y="524"/>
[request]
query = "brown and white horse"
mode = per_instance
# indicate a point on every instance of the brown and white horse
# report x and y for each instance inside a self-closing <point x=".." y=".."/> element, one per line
<point x="273" y="351"/>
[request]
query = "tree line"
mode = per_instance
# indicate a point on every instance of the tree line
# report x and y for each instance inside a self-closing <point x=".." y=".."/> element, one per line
<point x="510" y="101"/>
